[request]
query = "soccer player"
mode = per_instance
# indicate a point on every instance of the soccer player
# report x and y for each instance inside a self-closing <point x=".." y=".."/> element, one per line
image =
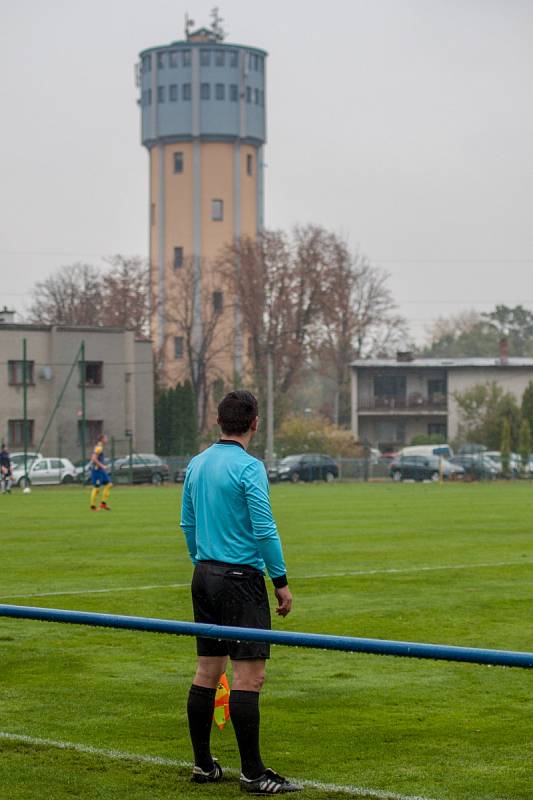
<point x="231" y="538"/>
<point x="99" y="476"/>
<point x="5" y="470"/>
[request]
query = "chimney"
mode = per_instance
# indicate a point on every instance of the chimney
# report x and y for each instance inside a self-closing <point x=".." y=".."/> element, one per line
<point x="405" y="356"/>
<point x="504" y="351"/>
<point x="7" y="317"/>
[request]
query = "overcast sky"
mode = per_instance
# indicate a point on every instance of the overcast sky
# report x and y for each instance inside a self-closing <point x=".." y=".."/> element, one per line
<point x="404" y="125"/>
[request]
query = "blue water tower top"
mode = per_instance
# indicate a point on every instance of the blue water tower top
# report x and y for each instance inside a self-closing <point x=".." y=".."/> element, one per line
<point x="202" y="88"/>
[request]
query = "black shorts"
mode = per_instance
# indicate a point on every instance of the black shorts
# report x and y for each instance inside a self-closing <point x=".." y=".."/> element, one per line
<point x="230" y="594"/>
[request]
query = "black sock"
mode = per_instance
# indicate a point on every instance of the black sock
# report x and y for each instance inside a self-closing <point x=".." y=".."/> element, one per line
<point x="244" y="713"/>
<point x="200" y="708"/>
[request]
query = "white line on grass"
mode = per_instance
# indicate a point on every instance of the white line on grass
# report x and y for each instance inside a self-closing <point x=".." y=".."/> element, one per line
<point x="120" y="755"/>
<point x="389" y="571"/>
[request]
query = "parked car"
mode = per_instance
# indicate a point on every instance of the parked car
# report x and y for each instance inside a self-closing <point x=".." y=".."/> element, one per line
<point x="515" y="462"/>
<point x="427" y="450"/>
<point x="45" y="471"/>
<point x="17" y="459"/>
<point x="477" y="466"/>
<point x="145" y="468"/>
<point x="423" y="468"/>
<point x="307" y="467"/>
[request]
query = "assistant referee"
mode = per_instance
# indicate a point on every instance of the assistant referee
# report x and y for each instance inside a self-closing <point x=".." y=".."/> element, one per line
<point x="232" y="538"/>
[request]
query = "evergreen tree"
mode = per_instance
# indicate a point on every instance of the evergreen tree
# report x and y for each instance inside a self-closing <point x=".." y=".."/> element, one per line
<point x="527" y="404"/>
<point x="505" y="447"/>
<point x="524" y="443"/>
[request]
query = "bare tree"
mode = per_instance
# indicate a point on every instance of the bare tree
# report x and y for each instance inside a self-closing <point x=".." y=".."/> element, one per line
<point x="125" y="294"/>
<point x="71" y="296"/>
<point x="194" y="317"/>
<point x="358" y="319"/>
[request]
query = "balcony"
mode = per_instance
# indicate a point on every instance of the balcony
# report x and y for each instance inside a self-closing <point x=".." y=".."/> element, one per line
<point x="404" y="404"/>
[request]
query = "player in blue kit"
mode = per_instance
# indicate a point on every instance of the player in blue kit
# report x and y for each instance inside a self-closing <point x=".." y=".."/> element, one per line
<point x="99" y="476"/>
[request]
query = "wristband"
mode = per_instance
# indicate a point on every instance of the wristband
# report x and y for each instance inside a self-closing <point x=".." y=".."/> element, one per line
<point x="280" y="581"/>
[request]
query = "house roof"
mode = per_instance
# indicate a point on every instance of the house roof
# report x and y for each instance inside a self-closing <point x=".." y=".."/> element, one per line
<point x="443" y="363"/>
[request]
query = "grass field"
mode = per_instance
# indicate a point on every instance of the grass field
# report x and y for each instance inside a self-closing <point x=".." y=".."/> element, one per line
<point x="449" y="564"/>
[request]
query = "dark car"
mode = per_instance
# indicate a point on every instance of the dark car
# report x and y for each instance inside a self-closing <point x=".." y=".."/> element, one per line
<point x="306" y="467"/>
<point x="424" y="468"/>
<point x="477" y="466"/>
<point x="145" y="468"/>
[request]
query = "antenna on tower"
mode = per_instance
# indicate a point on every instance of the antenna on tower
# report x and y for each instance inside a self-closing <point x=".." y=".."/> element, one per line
<point x="216" y="25"/>
<point x="189" y="25"/>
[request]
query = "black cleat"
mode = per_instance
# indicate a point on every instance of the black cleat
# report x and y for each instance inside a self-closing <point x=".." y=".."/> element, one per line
<point x="199" y="776"/>
<point x="268" y="783"/>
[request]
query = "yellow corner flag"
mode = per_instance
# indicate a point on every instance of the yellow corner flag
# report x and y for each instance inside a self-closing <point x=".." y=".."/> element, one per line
<point x="221" y="712"/>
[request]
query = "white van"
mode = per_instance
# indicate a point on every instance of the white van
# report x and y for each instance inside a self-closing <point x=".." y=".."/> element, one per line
<point x="443" y="450"/>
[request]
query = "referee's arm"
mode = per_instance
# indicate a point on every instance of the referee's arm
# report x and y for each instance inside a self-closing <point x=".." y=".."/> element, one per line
<point x="257" y="494"/>
<point x="188" y="519"/>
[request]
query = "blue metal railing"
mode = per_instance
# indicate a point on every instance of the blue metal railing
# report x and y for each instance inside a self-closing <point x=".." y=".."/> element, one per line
<point x="383" y="647"/>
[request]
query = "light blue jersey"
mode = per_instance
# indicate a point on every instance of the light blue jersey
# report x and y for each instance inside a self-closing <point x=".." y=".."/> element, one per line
<point x="226" y="513"/>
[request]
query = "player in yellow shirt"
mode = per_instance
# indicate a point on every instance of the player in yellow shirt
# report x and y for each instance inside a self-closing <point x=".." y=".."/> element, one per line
<point x="99" y="476"/>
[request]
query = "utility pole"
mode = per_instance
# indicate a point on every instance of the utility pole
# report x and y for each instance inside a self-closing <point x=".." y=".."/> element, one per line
<point x="83" y="377"/>
<point x="270" y="410"/>
<point x="25" y="406"/>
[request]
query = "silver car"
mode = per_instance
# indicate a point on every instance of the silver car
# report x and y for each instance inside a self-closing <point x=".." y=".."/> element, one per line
<point x="45" y="471"/>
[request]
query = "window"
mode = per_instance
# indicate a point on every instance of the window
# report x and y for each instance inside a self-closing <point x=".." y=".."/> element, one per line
<point x="178" y="346"/>
<point x="261" y="63"/>
<point x="437" y="429"/>
<point x="93" y="429"/>
<point x="160" y="94"/>
<point x="218" y="302"/>
<point x="234" y="58"/>
<point x="186" y="58"/>
<point x="15" y="432"/>
<point x="186" y="91"/>
<point x="172" y="59"/>
<point x="248" y="94"/>
<point x="147" y="64"/>
<point x="94" y="373"/>
<point x="249" y="164"/>
<point x="205" y="58"/>
<point x="233" y="92"/>
<point x="149" y="97"/>
<point x="178" y="161"/>
<point x="152" y="214"/>
<point x="256" y="96"/>
<point x="205" y="91"/>
<point x="15" y="373"/>
<point x="220" y="91"/>
<point x="173" y="92"/>
<point x="217" y="210"/>
<point x="436" y="388"/>
<point x="220" y="58"/>
<point x="160" y="61"/>
<point x="261" y="98"/>
<point x="178" y="257"/>
<point x="390" y="386"/>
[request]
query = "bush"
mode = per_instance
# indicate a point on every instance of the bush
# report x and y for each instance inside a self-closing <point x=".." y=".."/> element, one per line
<point x="423" y="438"/>
<point x="298" y="434"/>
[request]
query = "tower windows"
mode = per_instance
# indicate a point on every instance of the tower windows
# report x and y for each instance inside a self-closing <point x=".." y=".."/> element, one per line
<point x="186" y="58"/>
<point x="173" y="59"/>
<point x="178" y="161"/>
<point x="217" y="210"/>
<point x="233" y="92"/>
<point x="249" y="164"/>
<point x="160" y="61"/>
<point x="173" y="92"/>
<point x="234" y="58"/>
<point x="220" y="58"/>
<point x="178" y="346"/>
<point x="205" y="58"/>
<point x="220" y="91"/>
<point x="218" y="302"/>
<point x="147" y="64"/>
<point x="149" y="97"/>
<point x="205" y="91"/>
<point x="248" y="94"/>
<point x="160" y="94"/>
<point x="256" y="96"/>
<point x="178" y="257"/>
<point x="186" y="91"/>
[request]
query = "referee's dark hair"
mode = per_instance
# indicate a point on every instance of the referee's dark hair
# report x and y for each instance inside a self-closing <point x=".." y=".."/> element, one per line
<point x="236" y="412"/>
